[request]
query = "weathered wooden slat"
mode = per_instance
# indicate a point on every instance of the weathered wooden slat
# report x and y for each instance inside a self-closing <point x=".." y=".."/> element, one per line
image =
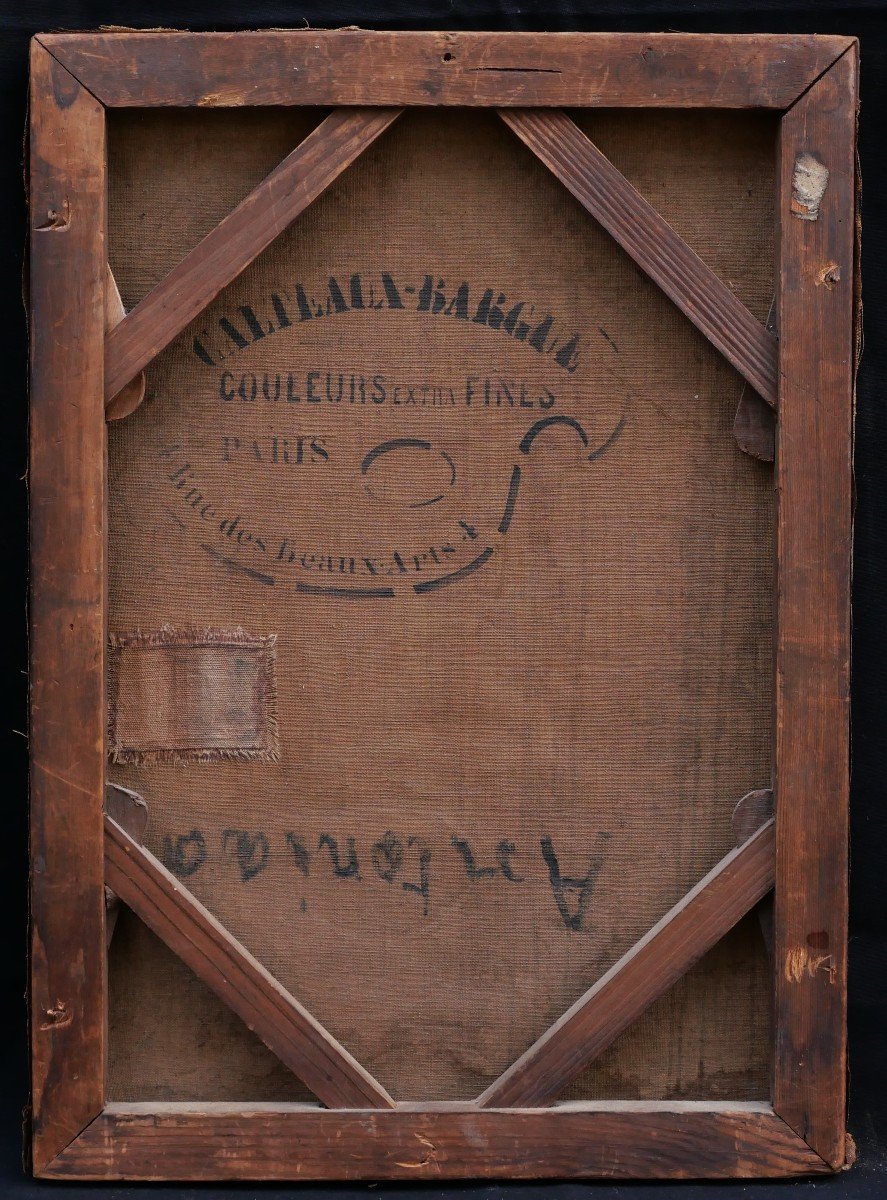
<point x="641" y="976"/>
<point x="814" y="486"/>
<point x="67" y="611"/>
<point x="272" y="1142"/>
<point x="652" y="243"/>
<point x="239" y="980"/>
<point x="669" y="70"/>
<point x="237" y="240"/>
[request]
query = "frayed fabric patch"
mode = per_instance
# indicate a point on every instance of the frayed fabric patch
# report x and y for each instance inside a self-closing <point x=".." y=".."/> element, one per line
<point x="192" y="695"/>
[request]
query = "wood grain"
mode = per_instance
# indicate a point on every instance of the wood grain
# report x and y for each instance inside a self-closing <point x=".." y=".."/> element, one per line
<point x="334" y="67"/>
<point x="67" y="617"/>
<point x="130" y="812"/>
<point x="269" y="1142"/>
<point x="238" y="240"/>
<point x="640" y="977"/>
<point x="223" y="964"/>
<point x="814" y="484"/>
<point x="128" y="400"/>
<point x="652" y="243"/>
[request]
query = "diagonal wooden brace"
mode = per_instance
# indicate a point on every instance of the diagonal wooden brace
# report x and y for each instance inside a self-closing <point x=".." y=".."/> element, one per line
<point x="639" y="229"/>
<point x="239" y="980"/>
<point x="238" y="239"/>
<point x="651" y="966"/>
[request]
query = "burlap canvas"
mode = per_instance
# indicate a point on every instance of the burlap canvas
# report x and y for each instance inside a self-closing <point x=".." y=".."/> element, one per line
<point x="477" y="476"/>
<point x="192" y="695"/>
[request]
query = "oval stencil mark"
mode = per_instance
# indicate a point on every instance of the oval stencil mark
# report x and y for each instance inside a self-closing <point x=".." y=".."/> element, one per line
<point x="408" y="473"/>
<point x="546" y="423"/>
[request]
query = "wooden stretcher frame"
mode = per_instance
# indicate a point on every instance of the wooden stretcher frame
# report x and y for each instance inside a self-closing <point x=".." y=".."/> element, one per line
<point x="515" y="1129"/>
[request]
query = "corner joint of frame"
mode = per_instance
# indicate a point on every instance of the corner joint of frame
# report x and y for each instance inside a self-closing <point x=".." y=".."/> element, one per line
<point x="56" y="1163"/>
<point x="52" y="46"/>
<point x="840" y="1158"/>
<point x="843" y="47"/>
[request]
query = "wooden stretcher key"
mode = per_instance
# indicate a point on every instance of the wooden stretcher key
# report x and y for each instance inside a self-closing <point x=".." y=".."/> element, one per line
<point x="753" y="811"/>
<point x="132" y="394"/>
<point x="130" y="812"/>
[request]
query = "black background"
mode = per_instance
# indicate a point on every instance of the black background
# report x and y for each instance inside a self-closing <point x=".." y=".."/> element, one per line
<point x="868" y="946"/>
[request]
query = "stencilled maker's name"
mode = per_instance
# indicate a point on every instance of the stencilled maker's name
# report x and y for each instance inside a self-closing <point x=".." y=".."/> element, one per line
<point x="488" y="307"/>
<point x="271" y="420"/>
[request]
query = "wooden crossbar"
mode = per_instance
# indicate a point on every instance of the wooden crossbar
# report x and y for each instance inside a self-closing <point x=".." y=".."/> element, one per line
<point x="145" y="68"/>
<point x="238" y="239"/>
<point x="656" y="248"/>
<point x="819" y="321"/>
<point x="239" y="980"/>
<point x="616" y="1140"/>
<point x="649" y="969"/>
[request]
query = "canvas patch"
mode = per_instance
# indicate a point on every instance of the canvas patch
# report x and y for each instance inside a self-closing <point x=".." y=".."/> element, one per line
<point x="192" y="695"/>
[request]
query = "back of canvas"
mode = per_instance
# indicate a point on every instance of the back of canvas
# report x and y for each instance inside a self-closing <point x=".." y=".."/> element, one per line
<point x="440" y="602"/>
